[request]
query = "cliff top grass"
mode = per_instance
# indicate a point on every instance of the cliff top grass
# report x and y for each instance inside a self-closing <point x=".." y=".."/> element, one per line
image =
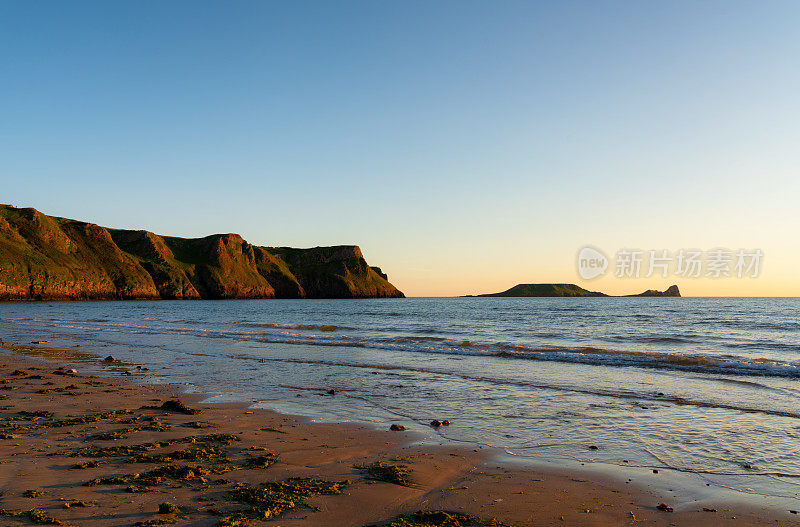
<point x="546" y="290"/>
<point x="46" y="257"/>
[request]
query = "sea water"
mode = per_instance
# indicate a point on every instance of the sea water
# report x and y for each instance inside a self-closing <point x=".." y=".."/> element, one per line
<point x="704" y="389"/>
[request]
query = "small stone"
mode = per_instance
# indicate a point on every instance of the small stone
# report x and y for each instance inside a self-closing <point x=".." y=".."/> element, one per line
<point x="109" y="359"/>
<point x="664" y="507"/>
<point x="331" y="392"/>
<point x="446" y="423"/>
<point x="655" y="471"/>
<point x="706" y="509"/>
<point x="397" y="428"/>
<point x="593" y="447"/>
<point x="436" y="423"/>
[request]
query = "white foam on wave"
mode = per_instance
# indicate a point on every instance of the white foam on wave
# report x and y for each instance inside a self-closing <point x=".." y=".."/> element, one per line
<point x="331" y="335"/>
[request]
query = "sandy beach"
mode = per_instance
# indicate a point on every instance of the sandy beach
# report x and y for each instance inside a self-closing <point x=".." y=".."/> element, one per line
<point x="89" y="450"/>
<point x="399" y="264"/>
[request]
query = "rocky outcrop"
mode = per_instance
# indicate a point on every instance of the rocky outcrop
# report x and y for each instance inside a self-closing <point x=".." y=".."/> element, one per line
<point x="334" y="272"/>
<point x="670" y="291"/>
<point x="50" y="258"/>
<point x="546" y="290"/>
<point x="559" y="290"/>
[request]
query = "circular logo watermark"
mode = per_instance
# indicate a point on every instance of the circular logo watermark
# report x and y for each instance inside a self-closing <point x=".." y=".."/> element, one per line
<point x="591" y="263"/>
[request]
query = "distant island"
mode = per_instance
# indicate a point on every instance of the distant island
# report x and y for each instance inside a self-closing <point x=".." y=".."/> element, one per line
<point x="50" y="258"/>
<point x="558" y="290"/>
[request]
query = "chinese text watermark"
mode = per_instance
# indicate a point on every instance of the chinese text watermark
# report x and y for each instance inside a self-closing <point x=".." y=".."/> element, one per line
<point x="685" y="263"/>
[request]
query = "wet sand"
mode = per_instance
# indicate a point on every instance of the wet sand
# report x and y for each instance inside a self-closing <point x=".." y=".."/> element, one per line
<point x="37" y="466"/>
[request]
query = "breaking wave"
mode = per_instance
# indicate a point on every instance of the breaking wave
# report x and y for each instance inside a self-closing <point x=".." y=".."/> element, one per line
<point x="332" y="335"/>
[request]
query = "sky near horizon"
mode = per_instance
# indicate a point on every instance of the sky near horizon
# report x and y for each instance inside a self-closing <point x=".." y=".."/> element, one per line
<point x="465" y="146"/>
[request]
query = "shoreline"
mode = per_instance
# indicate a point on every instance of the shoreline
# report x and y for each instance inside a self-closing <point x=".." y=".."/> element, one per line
<point x="469" y="481"/>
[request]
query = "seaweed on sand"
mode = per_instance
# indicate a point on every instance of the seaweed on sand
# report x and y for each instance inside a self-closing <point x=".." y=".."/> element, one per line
<point x="36" y="414"/>
<point x="34" y="515"/>
<point x="209" y="453"/>
<point x="12" y="423"/>
<point x="137" y="489"/>
<point x="155" y="521"/>
<point x="85" y="465"/>
<point x="168" y="508"/>
<point x="153" y="426"/>
<point x="91" y="418"/>
<point x="263" y="461"/>
<point x="388" y="472"/>
<point x="174" y="405"/>
<point x="441" y="519"/>
<point x="33" y="493"/>
<point x="200" y="424"/>
<point x="267" y="501"/>
<point x="131" y="450"/>
<point x="158" y="476"/>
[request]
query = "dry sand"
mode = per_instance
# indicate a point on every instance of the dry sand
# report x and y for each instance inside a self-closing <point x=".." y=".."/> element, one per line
<point x="35" y="456"/>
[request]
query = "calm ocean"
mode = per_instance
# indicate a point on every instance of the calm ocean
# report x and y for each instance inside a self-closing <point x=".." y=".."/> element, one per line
<point x="706" y="390"/>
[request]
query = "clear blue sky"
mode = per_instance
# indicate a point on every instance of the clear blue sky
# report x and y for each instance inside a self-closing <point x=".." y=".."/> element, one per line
<point x="466" y="146"/>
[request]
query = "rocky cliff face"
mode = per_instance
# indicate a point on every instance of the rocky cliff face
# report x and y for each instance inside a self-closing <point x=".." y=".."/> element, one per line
<point x="670" y="291"/>
<point x="49" y="258"/>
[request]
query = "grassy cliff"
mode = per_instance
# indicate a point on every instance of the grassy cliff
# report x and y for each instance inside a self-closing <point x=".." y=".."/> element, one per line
<point x="525" y="290"/>
<point x="44" y="257"/>
<point x="546" y="290"/>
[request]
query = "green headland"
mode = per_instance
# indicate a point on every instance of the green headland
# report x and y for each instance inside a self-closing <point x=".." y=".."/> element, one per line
<point x="50" y="258"/>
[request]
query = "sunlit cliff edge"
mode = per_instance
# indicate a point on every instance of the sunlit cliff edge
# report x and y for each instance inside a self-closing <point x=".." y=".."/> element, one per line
<point x="50" y="258"/>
